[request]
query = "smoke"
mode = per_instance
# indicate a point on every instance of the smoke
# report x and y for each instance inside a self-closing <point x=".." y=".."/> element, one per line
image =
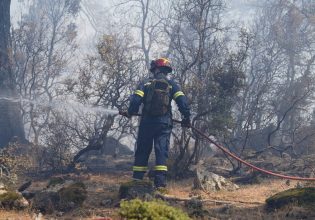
<point x="64" y="104"/>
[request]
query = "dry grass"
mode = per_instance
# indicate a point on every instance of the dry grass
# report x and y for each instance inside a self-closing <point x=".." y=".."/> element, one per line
<point x="253" y="193"/>
<point x="15" y="215"/>
<point x="111" y="178"/>
<point x="246" y="202"/>
<point x="105" y="186"/>
<point x="256" y="193"/>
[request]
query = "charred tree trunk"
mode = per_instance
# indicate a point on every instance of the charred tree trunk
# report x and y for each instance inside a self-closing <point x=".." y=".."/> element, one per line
<point x="10" y="115"/>
<point x="96" y="143"/>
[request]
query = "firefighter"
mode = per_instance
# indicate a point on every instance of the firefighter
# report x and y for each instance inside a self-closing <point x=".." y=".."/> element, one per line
<point x="156" y="94"/>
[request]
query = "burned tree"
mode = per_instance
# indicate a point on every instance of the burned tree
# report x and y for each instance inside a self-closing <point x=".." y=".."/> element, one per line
<point x="276" y="103"/>
<point x="105" y="81"/>
<point x="10" y="113"/>
<point x="43" y="45"/>
<point x="211" y="75"/>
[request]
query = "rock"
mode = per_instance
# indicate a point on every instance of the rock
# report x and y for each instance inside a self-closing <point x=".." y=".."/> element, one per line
<point x="209" y="181"/>
<point x="72" y="196"/>
<point x="38" y="216"/>
<point x="106" y="202"/>
<point x="3" y="191"/>
<point x="28" y="195"/>
<point x="21" y="203"/>
<point x="300" y="196"/>
<point x="2" y="186"/>
<point x="55" y="181"/>
<point x="57" y="187"/>
<point x="64" y="199"/>
<point x="136" y="189"/>
<point x="59" y="214"/>
<point x="12" y="200"/>
<point x="299" y="185"/>
<point x="286" y="156"/>
<point x="195" y="208"/>
<point x="225" y="209"/>
<point x="45" y="201"/>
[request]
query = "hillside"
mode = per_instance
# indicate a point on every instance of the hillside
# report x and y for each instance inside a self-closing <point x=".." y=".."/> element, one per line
<point x="248" y="202"/>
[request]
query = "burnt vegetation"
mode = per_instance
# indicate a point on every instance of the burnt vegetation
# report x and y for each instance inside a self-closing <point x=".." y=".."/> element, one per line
<point x="250" y="87"/>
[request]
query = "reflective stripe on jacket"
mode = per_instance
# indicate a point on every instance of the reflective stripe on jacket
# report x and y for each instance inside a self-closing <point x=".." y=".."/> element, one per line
<point x="175" y="94"/>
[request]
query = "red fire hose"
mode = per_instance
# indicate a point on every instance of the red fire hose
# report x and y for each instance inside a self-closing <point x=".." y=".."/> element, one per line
<point x="243" y="161"/>
<point x="248" y="164"/>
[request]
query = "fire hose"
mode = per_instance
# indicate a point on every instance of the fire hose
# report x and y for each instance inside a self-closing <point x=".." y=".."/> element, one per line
<point x="268" y="172"/>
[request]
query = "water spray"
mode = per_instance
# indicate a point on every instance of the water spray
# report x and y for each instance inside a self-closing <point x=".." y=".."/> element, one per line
<point x="61" y="104"/>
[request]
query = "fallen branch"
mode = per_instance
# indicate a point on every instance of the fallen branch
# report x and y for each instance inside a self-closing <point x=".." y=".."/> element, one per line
<point x="177" y="199"/>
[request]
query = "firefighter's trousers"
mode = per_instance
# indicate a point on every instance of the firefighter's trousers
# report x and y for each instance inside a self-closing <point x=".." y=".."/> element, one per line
<point x="149" y="134"/>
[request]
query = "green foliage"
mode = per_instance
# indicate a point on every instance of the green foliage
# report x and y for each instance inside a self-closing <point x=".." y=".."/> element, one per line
<point x="154" y="210"/>
<point x="9" y="196"/>
<point x="224" y="85"/>
<point x="303" y="196"/>
<point x="7" y="199"/>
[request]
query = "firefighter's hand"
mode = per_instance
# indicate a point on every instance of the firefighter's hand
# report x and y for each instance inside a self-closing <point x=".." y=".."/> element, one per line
<point x="186" y="123"/>
<point x="125" y="113"/>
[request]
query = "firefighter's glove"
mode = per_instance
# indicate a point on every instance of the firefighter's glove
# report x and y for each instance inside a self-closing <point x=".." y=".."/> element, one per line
<point x="125" y="113"/>
<point x="186" y="123"/>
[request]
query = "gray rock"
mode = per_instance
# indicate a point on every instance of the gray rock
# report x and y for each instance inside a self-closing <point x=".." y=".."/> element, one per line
<point x="2" y="186"/>
<point x="57" y="187"/>
<point x="60" y="198"/>
<point x="136" y="189"/>
<point x="106" y="202"/>
<point x="45" y="201"/>
<point x="13" y="200"/>
<point x="28" y="195"/>
<point x="21" y="203"/>
<point x="59" y="214"/>
<point x="209" y="181"/>
<point x="3" y="191"/>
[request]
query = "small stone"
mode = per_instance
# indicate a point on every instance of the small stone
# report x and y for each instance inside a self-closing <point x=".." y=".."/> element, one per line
<point x="2" y="186"/>
<point x="225" y="209"/>
<point x="287" y="182"/>
<point x="71" y="205"/>
<point x="21" y="203"/>
<point x="39" y="216"/>
<point x="59" y="214"/>
<point x="3" y="191"/>
<point x="299" y="185"/>
<point x="106" y="202"/>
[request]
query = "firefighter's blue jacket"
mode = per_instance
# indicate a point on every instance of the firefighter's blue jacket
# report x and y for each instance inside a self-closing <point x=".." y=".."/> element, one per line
<point x="155" y="129"/>
<point x="176" y="94"/>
